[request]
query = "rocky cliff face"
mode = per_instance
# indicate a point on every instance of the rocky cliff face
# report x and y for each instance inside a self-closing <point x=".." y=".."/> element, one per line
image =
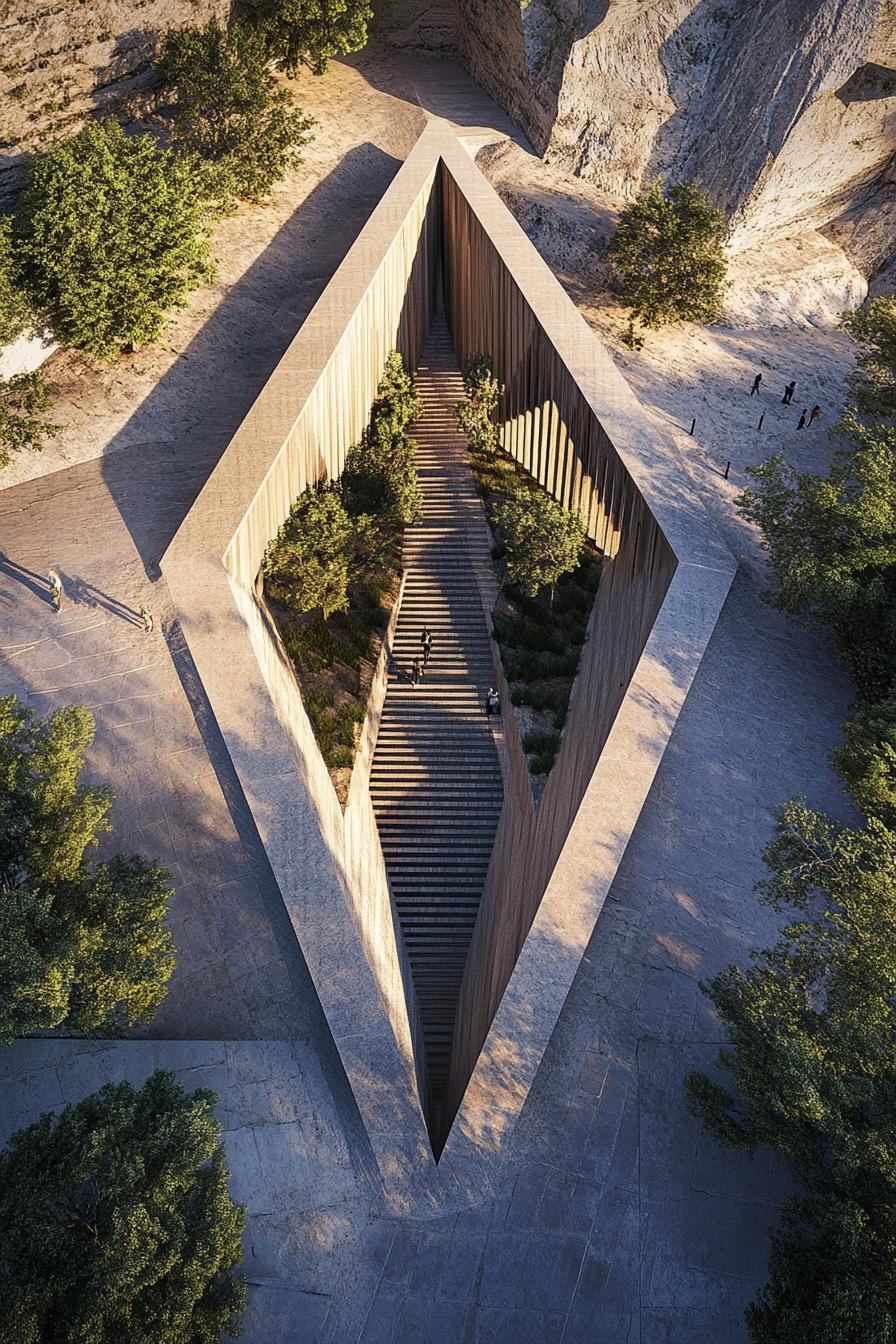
<point x="60" y="60"/>
<point x="784" y="109"/>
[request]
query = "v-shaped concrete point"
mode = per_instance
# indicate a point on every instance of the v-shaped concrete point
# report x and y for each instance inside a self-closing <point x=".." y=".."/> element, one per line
<point x="441" y="235"/>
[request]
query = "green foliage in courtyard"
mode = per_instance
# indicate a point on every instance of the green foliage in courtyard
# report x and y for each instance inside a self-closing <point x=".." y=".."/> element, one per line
<point x="15" y="310"/>
<point x="872" y="384"/>
<point x="85" y="943"/>
<point x="116" y="1222"/>
<point x="542" y="540"/>
<point x="24" y="401"/>
<point x="476" y="418"/>
<point x="309" y="32"/>
<point x="549" y="576"/>
<point x="668" y="252"/>
<point x="866" y="761"/>
<point x="113" y="232"/>
<point x="332" y="573"/>
<point x="309" y="558"/>
<point x="812" y="1069"/>
<point x="229" y="108"/>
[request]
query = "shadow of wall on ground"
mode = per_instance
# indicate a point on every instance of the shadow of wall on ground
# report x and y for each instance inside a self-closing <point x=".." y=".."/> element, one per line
<point x="155" y="489"/>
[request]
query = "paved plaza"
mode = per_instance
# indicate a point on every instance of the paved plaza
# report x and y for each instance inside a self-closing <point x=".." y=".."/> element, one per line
<point x="615" y="1219"/>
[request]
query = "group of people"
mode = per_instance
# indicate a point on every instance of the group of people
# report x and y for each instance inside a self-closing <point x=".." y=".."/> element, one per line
<point x="807" y="417"/>
<point x="420" y="664"/>
<point x="57" y="596"/>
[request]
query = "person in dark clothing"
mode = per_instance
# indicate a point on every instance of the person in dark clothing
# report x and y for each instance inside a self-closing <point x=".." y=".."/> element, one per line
<point x="788" y="393"/>
<point x="756" y="381"/>
<point x="816" y="412"/>
<point x="489" y="702"/>
<point x="426" y="641"/>
<point x="416" y="672"/>
<point x="803" y="417"/>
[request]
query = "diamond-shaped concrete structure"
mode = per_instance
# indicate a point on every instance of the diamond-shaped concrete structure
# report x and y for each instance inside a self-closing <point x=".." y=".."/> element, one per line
<point x="441" y="234"/>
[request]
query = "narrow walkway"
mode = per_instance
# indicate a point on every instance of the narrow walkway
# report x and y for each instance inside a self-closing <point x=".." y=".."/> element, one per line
<point x="436" y="780"/>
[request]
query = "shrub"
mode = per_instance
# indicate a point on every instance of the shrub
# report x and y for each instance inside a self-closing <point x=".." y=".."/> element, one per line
<point x="811" y="1024"/>
<point x="543" y="540"/>
<point x="475" y="417"/>
<point x="23" y="427"/>
<point x="541" y="743"/>
<point x="310" y="555"/>
<point x="15" y="312"/>
<point x="229" y="108"/>
<point x="668" y="252"/>
<point x="867" y="760"/>
<point x="309" y="32"/>
<point x="114" y="235"/>
<point x="117" y="1221"/>
<point x="872" y="384"/>
<point x="85" y="945"/>
<point x="380" y="473"/>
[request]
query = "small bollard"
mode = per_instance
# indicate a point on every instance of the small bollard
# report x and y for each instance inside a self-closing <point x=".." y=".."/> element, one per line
<point x="761" y="418"/>
<point x="727" y="469"/>
<point x="693" y="423"/>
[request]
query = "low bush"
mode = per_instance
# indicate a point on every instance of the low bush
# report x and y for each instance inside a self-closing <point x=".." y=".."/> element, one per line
<point x="113" y="232"/>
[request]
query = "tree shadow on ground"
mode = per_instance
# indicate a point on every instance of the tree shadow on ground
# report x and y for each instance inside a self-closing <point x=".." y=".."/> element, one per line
<point x="221" y="372"/>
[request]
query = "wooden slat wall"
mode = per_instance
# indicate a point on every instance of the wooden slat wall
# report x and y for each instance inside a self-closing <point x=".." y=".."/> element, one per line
<point x="548" y="426"/>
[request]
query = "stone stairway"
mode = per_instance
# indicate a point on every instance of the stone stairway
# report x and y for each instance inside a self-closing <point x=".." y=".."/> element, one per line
<point x="436" y="780"/>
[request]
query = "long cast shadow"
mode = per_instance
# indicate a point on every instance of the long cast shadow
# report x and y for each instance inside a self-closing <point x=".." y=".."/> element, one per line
<point x="221" y="372"/>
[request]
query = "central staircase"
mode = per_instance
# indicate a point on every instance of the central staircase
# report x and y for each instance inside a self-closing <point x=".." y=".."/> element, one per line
<point x="436" y="779"/>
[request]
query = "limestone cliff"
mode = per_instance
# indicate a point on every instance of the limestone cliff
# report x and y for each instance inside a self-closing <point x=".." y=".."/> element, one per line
<point x="61" y="60"/>
<point x="784" y="109"/>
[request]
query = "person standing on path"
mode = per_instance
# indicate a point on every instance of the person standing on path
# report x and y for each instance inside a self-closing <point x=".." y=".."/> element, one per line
<point x="492" y="703"/>
<point x="803" y="417"/>
<point x="426" y="641"/>
<point x="756" y="381"/>
<point x="147" y="618"/>
<point x="57" y="592"/>
<point x="788" y="393"/>
<point x="816" y="412"/>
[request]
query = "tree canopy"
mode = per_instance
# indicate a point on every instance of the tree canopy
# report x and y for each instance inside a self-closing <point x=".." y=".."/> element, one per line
<point x="113" y="232"/>
<point x="872" y="384"/>
<point x="229" y="108"/>
<point x="379" y="475"/>
<point x="668" y="251"/>
<point x="543" y="540"/>
<point x="813" y="1075"/>
<point x="24" y="399"/>
<point x="476" y="417"/>
<point x="15" y="311"/>
<point x="309" y="557"/>
<point x="85" y="944"/>
<point x="309" y="32"/>
<point x="116" y="1222"/>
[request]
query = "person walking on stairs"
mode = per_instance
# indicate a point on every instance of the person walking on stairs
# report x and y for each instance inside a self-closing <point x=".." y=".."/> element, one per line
<point x="416" y="672"/>
<point x="788" y="393"/>
<point x="492" y="703"/>
<point x="756" y="381"/>
<point x="426" y="642"/>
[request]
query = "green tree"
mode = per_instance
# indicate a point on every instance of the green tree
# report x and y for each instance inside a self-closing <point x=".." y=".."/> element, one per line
<point x="867" y="760"/>
<point x="668" y="252"/>
<point x="309" y="32"/>
<point x="309" y="557"/>
<point x="116" y="1222"/>
<point x="831" y="544"/>
<point x="229" y="108"/>
<point x="476" y="417"/>
<point x="114" y="235"/>
<point x="872" y="384"/>
<point x="15" y="311"/>
<point x="812" y="1068"/>
<point x="379" y="476"/>
<point x="85" y="945"/>
<point x="23" y="427"/>
<point x="544" y="541"/>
